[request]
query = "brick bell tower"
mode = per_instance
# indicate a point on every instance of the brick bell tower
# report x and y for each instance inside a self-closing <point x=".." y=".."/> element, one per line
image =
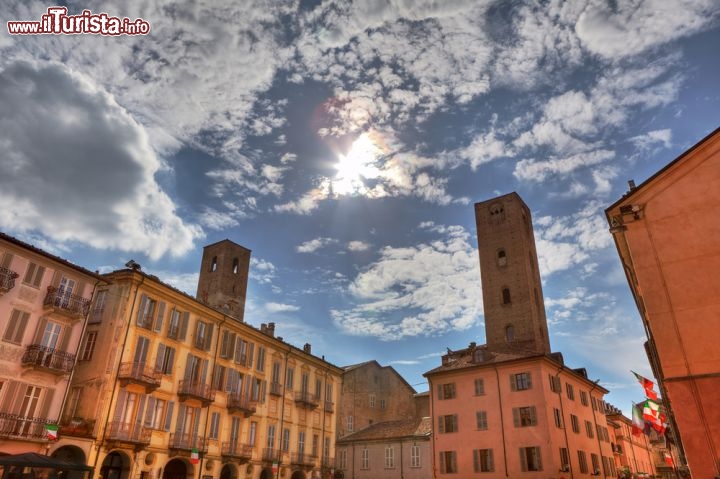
<point x="512" y="292"/>
<point x="224" y="277"/>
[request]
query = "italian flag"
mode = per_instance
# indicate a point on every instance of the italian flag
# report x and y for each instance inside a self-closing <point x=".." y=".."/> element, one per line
<point x="638" y="424"/>
<point x="668" y="459"/>
<point x="194" y="456"/>
<point x="651" y="411"/>
<point x="51" y="430"/>
<point x="647" y="386"/>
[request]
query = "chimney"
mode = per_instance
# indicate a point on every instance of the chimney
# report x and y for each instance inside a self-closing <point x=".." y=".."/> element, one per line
<point x="307" y="348"/>
<point x="263" y="328"/>
<point x="631" y="185"/>
<point x="271" y="330"/>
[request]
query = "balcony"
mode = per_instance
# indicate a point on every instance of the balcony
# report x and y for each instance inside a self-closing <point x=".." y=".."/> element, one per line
<point x="276" y="389"/>
<point x="328" y="463"/>
<point x="129" y="433"/>
<point x="139" y="373"/>
<point x="329" y="406"/>
<point x="306" y="400"/>
<point x="7" y="280"/>
<point x="239" y="452"/>
<point x="78" y="427"/>
<point x="192" y="390"/>
<point x="48" y="359"/>
<point x="237" y="402"/>
<point x="71" y="305"/>
<point x="271" y="455"/>
<point x="187" y="442"/>
<point x="13" y="426"/>
<point x="302" y="459"/>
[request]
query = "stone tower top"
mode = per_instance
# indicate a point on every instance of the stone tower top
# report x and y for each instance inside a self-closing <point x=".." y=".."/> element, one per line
<point x="224" y="277"/>
<point x="512" y="291"/>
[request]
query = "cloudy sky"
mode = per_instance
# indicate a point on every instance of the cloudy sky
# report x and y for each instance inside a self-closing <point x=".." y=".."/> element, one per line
<point x="345" y="144"/>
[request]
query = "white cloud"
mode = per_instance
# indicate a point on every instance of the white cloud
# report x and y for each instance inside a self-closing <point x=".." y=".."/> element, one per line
<point x="280" y="307"/>
<point x="358" y="246"/>
<point x="439" y="280"/>
<point x="314" y="245"/>
<point x="540" y="170"/>
<point x="648" y="140"/>
<point x="79" y="168"/>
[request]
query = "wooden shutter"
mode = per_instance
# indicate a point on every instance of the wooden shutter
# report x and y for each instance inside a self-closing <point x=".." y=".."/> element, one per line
<point x="490" y="460"/>
<point x="440" y="391"/>
<point x="170" y="366"/>
<point x="160" y="359"/>
<point x="47" y="404"/>
<point x="140" y="412"/>
<point x="180" y="422"/>
<point x="6" y="260"/>
<point x="516" y="417"/>
<point x="141" y="309"/>
<point x="250" y="354"/>
<point x="40" y="330"/>
<point x="476" y="460"/>
<point x="441" y="424"/>
<point x="57" y="276"/>
<point x="11" y="390"/>
<point x="149" y="411"/>
<point x="529" y="380"/>
<point x="168" y="414"/>
<point x="533" y="416"/>
<point x="442" y="462"/>
<point x="208" y="336"/>
<point x="120" y="405"/>
<point x="160" y="316"/>
<point x="523" y="460"/>
<point x="513" y="384"/>
<point x="184" y="325"/>
<point x="65" y="333"/>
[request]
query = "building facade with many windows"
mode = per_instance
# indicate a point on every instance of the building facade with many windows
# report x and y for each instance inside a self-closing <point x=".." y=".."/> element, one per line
<point x="44" y="301"/>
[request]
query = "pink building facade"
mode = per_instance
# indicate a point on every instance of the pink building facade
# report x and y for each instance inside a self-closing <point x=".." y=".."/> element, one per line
<point x="44" y="302"/>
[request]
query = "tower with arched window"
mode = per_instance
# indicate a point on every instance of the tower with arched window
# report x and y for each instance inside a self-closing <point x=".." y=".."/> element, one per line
<point x="224" y="276"/>
<point x="511" y="287"/>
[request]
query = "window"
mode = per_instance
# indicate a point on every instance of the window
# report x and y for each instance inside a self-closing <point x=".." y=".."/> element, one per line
<point x="227" y="344"/>
<point x="446" y="391"/>
<point x="89" y="346"/>
<point x="509" y="333"/>
<point x="260" y="359"/>
<point x="570" y="391"/>
<point x="271" y="437"/>
<point x="478" y="355"/>
<point x="582" y="460"/>
<point x="575" y="423"/>
<point x="15" y="328"/>
<point x="289" y="379"/>
<point x="506" y="295"/>
<point x="530" y="459"/>
<point x="343" y="459"/>
<point x="98" y="307"/>
<point x="203" y="335"/>
<point x="595" y="460"/>
<point x="584" y="398"/>
<point x="315" y="445"/>
<point x="326" y="449"/>
<point x="235" y="266"/>
<point x="165" y="359"/>
<point x="415" y="456"/>
<point x="218" y="377"/>
<point x="252" y="433"/>
<point x="34" y="275"/>
<point x="371" y="400"/>
<point x="448" y="423"/>
<point x="365" y="459"/>
<point x="589" y="429"/>
<point x="554" y="383"/>
<point x="564" y="460"/>
<point x="286" y="440"/>
<point x="146" y="312"/>
<point x="497" y="213"/>
<point x="301" y="442"/>
<point x="158" y="413"/>
<point x="350" y="424"/>
<point x="448" y="462"/>
<point x="213" y="264"/>
<point x="520" y="381"/>
<point x="558" y="417"/>
<point x="177" y="327"/>
<point x="479" y="387"/>
<point x="501" y="258"/>
<point x="481" y="420"/>
<point x="389" y="457"/>
<point x="214" y="425"/>
<point x="524" y="416"/>
<point x="382" y="404"/>
<point x="483" y="460"/>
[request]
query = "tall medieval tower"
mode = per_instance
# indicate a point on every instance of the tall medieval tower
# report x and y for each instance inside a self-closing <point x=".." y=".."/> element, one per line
<point x="224" y="277"/>
<point x="511" y="287"/>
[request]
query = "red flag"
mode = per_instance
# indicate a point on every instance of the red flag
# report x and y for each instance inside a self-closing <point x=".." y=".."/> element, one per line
<point x="668" y="458"/>
<point x="638" y="424"/>
<point x="646" y="383"/>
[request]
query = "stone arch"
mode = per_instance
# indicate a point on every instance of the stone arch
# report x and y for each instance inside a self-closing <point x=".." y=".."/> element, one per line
<point x="177" y="468"/>
<point x="298" y="475"/>
<point x="266" y="473"/>
<point x="229" y="471"/>
<point x="72" y="454"/>
<point x="116" y="465"/>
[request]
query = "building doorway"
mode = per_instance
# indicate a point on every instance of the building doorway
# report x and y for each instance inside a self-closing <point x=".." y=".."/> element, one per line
<point x="116" y="465"/>
<point x="175" y="469"/>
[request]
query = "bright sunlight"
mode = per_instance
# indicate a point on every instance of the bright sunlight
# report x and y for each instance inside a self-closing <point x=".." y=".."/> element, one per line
<point x="355" y="167"/>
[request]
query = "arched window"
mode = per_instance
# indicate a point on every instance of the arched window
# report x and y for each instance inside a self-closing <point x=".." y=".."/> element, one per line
<point x="236" y="266"/>
<point x="506" y="295"/>
<point x="502" y="258"/>
<point x="213" y="264"/>
<point x="497" y="212"/>
<point x="509" y="333"/>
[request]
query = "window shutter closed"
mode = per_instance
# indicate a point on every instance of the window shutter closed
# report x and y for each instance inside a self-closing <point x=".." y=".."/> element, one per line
<point x="6" y="260"/>
<point x="533" y="416"/>
<point x="523" y="460"/>
<point x="168" y="414"/>
<point x="160" y="317"/>
<point x="512" y="383"/>
<point x="476" y="460"/>
<point x="441" y="424"/>
<point x="141" y="309"/>
<point x="208" y="337"/>
<point x="47" y="403"/>
<point x="529" y="381"/>
<point x="442" y="462"/>
<point x="150" y="411"/>
<point x="160" y="357"/>
<point x="440" y="391"/>
<point x="180" y="423"/>
<point x="516" y="417"/>
<point x="120" y="405"/>
<point x="184" y="325"/>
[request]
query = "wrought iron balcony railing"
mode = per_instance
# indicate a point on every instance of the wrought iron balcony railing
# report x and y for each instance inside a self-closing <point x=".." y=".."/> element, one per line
<point x="187" y="442"/>
<point x="128" y="432"/>
<point x="302" y="459"/>
<point x="23" y="427"/>
<point x="49" y="359"/>
<point x="140" y="373"/>
<point x="190" y="389"/>
<point x="271" y="455"/>
<point x="329" y="406"/>
<point x="72" y="305"/>
<point x="235" y="450"/>
<point x="306" y="399"/>
<point x="240" y="402"/>
<point x="7" y="280"/>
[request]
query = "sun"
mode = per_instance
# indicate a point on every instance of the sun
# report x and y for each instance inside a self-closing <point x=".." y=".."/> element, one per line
<point x="357" y="166"/>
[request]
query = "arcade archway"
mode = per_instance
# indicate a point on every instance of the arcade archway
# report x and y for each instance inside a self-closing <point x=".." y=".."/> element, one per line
<point x="175" y="469"/>
<point x="116" y="465"/>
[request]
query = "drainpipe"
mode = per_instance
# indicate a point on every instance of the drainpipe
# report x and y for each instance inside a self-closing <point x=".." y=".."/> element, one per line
<point x="434" y="434"/>
<point x="597" y="431"/>
<point x="282" y="414"/>
<point x="502" y="421"/>
<point x="562" y="413"/>
<point x="130" y="315"/>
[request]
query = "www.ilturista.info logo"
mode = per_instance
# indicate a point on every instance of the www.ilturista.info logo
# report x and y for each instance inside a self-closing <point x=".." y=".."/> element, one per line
<point x="57" y="21"/>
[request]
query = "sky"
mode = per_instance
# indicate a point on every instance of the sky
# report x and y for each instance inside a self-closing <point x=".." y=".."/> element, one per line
<point x="345" y="144"/>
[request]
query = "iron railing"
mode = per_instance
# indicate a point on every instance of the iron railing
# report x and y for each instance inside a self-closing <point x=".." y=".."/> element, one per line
<point x="237" y="450"/>
<point x="72" y="304"/>
<point x="37" y="355"/>
<point x="7" y="279"/>
<point x="302" y="459"/>
<point x="203" y="392"/>
<point x="306" y="399"/>
<point x="140" y="373"/>
<point x="24" y="427"/>
<point x="187" y="442"/>
<point x="271" y="455"/>
<point x="128" y="432"/>
<point x="240" y="402"/>
<point x="276" y="389"/>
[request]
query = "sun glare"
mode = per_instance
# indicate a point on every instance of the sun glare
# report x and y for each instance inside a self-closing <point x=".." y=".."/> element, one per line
<point x="355" y="167"/>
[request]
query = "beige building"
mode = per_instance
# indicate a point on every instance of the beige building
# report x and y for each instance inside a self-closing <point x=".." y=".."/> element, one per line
<point x="387" y="450"/>
<point x="44" y="301"/>
<point x="372" y="393"/>
<point x="667" y="233"/>
<point x="170" y="387"/>
<point x="511" y="408"/>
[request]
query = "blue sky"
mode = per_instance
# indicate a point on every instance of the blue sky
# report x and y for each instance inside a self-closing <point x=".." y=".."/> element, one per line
<point x="345" y="144"/>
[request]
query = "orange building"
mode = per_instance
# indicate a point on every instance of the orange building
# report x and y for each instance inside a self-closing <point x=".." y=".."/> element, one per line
<point x="667" y="233"/>
<point x="511" y="408"/>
